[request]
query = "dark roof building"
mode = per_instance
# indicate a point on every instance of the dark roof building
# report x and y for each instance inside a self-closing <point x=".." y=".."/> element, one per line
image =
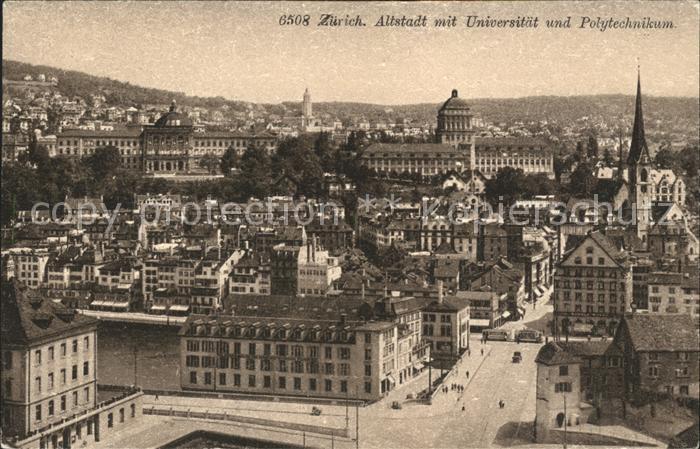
<point x="29" y="319"/>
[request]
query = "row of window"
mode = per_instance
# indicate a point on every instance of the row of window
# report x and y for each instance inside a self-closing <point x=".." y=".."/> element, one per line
<point x="281" y="384"/>
<point x="50" y="405"/>
<point x="590" y="285"/>
<point x="50" y="377"/>
<point x="578" y="296"/>
<point x="281" y="350"/>
<point x="50" y="351"/>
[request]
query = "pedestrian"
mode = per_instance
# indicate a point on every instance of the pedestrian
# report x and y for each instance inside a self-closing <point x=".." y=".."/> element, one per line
<point x="482" y="351"/>
<point x="156" y="396"/>
<point x="462" y="408"/>
<point x="467" y="374"/>
<point x="469" y="352"/>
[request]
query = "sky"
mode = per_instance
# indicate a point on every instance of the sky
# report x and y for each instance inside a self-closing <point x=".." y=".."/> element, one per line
<point x="239" y="50"/>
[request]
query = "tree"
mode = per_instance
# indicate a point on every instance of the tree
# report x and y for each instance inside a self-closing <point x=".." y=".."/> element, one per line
<point x="210" y="163"/>
<point x="297" y="159"/>
<point x="505" y="186"/>
<point x="665" y="158"/>
<point x="607" y="157"/>
<point x="229" y="161"/>
<point x="256" y="174"/>
<point x="103" y="162"/>
<point x="36" y="155"/>
<point x="592" y="147"/>
<point x="582" y="180"/>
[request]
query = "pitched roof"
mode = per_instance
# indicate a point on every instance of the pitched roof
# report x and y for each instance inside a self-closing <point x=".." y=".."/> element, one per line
<point x="449" y="304"/>
<point x="662" y="332"/>
<point x="607" y="245"/>
<point x="496" y="143"/>
<point x="559" y="352"/>
<point x="555" y="353"/>
<point x="412" y="148"/>
<point x="665" y="278"/>
<point x="28" y="318"/>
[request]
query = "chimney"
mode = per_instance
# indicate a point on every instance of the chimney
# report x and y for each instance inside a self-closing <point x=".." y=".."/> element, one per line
<point x="363" y="290"/>
<point x="439" y="286"/>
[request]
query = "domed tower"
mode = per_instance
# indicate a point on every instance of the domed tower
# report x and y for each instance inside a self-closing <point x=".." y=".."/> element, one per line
<point x="167" y="145"/>
<point x="455" y="127"/>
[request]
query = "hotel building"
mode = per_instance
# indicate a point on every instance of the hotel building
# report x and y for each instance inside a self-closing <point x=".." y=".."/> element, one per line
<point x="302" y="347"/>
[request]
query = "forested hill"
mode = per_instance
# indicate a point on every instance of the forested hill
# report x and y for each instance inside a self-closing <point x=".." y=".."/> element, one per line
<point x="682" y="111"/>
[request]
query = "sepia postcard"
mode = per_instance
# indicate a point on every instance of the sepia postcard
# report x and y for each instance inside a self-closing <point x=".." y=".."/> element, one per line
<point x="351" y="225"/>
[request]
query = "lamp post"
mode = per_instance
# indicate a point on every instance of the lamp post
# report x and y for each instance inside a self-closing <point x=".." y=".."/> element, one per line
<point x="357" y="418"/>
<point x="565" y="419"/>
<point x="430" y="372"/>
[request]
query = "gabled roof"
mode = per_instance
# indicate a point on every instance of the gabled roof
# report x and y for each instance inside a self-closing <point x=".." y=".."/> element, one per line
<point x="603" y="242"/>
<point x="559" y="352"/>
<point x="554" y="353"/>
<point x="662" y="332"/>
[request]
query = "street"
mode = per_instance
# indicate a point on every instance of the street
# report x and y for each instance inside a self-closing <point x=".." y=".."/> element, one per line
<point x="443" y="424"/>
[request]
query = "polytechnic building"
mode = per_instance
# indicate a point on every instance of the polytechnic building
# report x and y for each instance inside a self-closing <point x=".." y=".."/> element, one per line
<point x="172" y="145"/>
<point x="459" y="149"/>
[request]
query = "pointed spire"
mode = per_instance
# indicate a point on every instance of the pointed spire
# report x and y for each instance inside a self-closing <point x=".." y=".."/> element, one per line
<point x="639" y="144"/>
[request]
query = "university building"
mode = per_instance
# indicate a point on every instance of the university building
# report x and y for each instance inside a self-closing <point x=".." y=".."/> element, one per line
<point x="458" y="149"/>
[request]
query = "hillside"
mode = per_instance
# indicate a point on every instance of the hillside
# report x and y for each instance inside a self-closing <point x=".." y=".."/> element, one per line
<point x="679" y="113"/>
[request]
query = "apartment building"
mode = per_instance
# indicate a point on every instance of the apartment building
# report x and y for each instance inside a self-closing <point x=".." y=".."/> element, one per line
<point x="48" y="359"/>
<point x="29" y="265"/>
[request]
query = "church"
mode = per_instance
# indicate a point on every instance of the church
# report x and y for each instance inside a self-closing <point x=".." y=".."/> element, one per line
<point x="652" y="197"/>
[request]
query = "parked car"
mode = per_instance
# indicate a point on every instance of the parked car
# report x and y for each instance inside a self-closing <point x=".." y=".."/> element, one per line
<point x="517" y="357"/>
<point x="396" y="405"/>
<point x="315" y="411"/>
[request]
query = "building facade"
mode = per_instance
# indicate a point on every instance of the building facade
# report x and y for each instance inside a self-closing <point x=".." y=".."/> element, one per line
<point x="592" y="287"/>
<point x="284" y="356"/>
<point x="49" y="362"/>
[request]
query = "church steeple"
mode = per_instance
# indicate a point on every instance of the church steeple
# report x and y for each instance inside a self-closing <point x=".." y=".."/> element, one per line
<point x="639" y="145"/>
<point x="639" y="169"/>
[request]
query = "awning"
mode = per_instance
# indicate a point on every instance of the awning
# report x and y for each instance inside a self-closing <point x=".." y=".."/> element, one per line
<point x="581" y="327"/>
<point x="506" y="314"/>
<point x="391" y="379"/>
<point x="97" y="303"/>
<point x="120" y="305"/>
<point x="480" y="323"/>
<point x="157" y="307"/>
<point x="418" y="366"/>
<point x="179" y="308"/>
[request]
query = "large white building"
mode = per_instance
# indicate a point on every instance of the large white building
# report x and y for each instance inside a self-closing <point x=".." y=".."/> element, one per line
<point x="458" y="149"/>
